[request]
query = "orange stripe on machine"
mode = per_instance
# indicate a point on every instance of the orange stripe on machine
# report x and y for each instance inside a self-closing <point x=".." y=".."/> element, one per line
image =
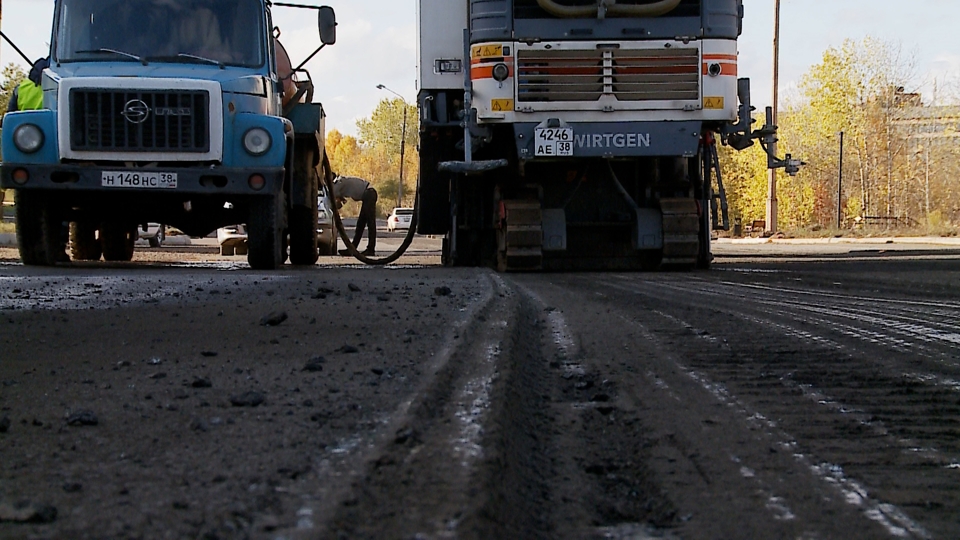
<point x="485" y="72"/>
<point x="730" y="57"/>
<point x="726" y="68"/>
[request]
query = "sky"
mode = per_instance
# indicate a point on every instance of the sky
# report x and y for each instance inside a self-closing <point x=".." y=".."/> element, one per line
<point x="377" y="44"/>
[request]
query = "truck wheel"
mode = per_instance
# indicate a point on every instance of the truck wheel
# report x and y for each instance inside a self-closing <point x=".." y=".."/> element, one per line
<point x="264" y="233"/>
<point x="38" y="230"/>
<point x="84" y="244"/>
<point x="118" y="241"/>
<point x="303" y="219"/>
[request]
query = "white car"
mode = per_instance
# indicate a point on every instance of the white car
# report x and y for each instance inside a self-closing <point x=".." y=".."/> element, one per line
<point x="400" y="219"/>
<point x="232" y="240"/>
<point x="153" y="233"/>
<point x="326" y="229"/>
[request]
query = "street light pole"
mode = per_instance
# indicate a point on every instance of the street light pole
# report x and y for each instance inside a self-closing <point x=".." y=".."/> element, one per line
<point x="840" y="185"/>
<point x="403" y="141"/>
<point x="772" y="209"/>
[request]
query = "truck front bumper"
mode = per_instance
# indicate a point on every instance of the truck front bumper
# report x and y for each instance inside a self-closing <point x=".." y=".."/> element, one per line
<point x="189" y="181"/>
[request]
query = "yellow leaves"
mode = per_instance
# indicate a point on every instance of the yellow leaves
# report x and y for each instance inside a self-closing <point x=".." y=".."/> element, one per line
<point x="375" y="155"/>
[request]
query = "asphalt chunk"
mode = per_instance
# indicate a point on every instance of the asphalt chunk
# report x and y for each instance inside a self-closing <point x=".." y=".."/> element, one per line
<point x="209" y="354"/>
<point x="348" y="349"/>
<point x="442" y="291"/>
<point x="201" y="382"/>
<point x="315" y="364"/>
<point x="353" y="288"/>
<point x="72" y="487"/>
<point x="4" y="424"/>
<point x="247" y="399"/>
<point x="27" y="512"/>
<point x="82" y="418"/>
<point x="274" y="319"/>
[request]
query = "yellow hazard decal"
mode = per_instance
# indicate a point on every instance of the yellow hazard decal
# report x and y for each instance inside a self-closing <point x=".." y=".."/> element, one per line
<point x="714" y="103"/>
<point x="501" y="105"/>
<point x="487" y="51"/>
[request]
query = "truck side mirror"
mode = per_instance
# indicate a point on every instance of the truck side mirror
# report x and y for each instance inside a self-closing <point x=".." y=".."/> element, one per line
<point x="328" y="25"/>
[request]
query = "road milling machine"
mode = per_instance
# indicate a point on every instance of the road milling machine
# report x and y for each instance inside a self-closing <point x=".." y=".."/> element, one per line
<point x="579" y="134"/>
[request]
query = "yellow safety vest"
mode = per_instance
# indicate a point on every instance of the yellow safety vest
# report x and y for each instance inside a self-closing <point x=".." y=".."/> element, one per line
<point x="29" y="96"/>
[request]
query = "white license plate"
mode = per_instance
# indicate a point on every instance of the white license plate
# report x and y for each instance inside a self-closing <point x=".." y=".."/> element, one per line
<point x="147" y="180"/>
<point x="554" y="142"/>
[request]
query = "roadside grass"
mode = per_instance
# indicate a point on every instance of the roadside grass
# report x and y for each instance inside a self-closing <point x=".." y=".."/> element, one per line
<point x="946" y="231"/>
<point x="934" y="231"/>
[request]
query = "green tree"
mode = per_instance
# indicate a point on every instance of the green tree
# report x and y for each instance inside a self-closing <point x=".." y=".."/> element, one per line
<point x="858" y="89"/>
<point x="380" y="136"/>
<point x="12" y="76"/>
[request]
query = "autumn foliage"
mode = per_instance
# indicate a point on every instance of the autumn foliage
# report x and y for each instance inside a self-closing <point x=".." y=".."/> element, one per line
<point x="375" y="154"/>
<point x="900" y="154"/>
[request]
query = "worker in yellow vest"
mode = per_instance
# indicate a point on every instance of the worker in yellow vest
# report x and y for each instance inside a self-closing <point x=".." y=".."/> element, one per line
<point x="28" y="96"/>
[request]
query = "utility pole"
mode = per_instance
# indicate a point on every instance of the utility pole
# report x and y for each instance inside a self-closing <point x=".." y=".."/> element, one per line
<point x="840" y="186"/>
<point x="927" y="173"/>
<point x="403" y="141"/>
<point x="772" y="209"/>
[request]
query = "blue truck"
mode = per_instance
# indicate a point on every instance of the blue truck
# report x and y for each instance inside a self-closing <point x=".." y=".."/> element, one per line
<point x="183" y="112"/>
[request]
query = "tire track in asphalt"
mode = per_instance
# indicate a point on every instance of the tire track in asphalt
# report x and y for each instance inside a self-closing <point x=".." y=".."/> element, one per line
<point x="415" y="480"/>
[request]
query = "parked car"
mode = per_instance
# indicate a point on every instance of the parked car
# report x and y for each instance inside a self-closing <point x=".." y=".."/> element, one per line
<point x="400" y="219"/>
<point x="326" y="228"/>
<point x="232" y="240"/>
<point x="153" y="233"/>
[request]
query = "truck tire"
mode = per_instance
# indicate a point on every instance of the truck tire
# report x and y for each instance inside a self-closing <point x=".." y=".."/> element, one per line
<point x="265" y="233"/>
<point x="38" y="230"/>
<point x="84" y="244"/>
<point x="303" y="219"/>
<point x="118" y="241"/>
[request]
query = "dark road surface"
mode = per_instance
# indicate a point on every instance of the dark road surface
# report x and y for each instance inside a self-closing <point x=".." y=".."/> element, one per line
<point x="814" y="398"/>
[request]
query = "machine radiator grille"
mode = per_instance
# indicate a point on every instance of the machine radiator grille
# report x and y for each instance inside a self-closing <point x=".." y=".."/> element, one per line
<point x="140" y="121"/>
<point x="656" y="75"/>
<point x="639" y="75"/>
<point x="555" y="75"/>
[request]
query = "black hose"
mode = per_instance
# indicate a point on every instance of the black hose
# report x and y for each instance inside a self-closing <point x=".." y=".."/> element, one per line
<point x="328" y="181"/>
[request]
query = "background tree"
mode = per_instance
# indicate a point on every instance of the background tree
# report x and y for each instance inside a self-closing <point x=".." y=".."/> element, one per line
<point x="12" y="76"/>
<point x="900" y="157"/>
<point x="375" y="154"/>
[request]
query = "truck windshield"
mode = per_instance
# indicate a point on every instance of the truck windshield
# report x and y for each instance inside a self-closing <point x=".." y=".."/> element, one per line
<point x="226" y="32"/>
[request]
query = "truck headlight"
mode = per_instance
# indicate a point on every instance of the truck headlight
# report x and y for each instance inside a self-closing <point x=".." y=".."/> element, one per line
<point x="257" y="142"/>
<point x="28" y="138"/>
<point x="501" y="72"/>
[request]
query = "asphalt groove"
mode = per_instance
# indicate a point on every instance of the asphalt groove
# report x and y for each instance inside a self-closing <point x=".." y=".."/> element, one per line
<point x="844" y="425"/>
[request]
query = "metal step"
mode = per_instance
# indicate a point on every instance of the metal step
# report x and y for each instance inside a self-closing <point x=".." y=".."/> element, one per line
<point x="681" y="231"/>
<point x="522" y="237"/>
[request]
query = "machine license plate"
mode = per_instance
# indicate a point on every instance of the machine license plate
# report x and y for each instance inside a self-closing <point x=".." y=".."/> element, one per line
<point x="148" y="180"/>
<point x="554" y="142"/>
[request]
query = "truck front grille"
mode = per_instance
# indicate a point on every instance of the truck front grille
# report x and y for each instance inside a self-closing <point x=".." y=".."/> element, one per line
<point x="141" y="121"/>
<point x="636" y="75"/>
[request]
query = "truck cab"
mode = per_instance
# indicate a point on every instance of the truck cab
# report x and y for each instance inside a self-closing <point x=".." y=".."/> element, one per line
<point x="184" y="112"/>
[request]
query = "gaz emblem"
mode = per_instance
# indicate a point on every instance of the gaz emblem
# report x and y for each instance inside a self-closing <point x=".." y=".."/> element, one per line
<point x="136" y="111"/>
